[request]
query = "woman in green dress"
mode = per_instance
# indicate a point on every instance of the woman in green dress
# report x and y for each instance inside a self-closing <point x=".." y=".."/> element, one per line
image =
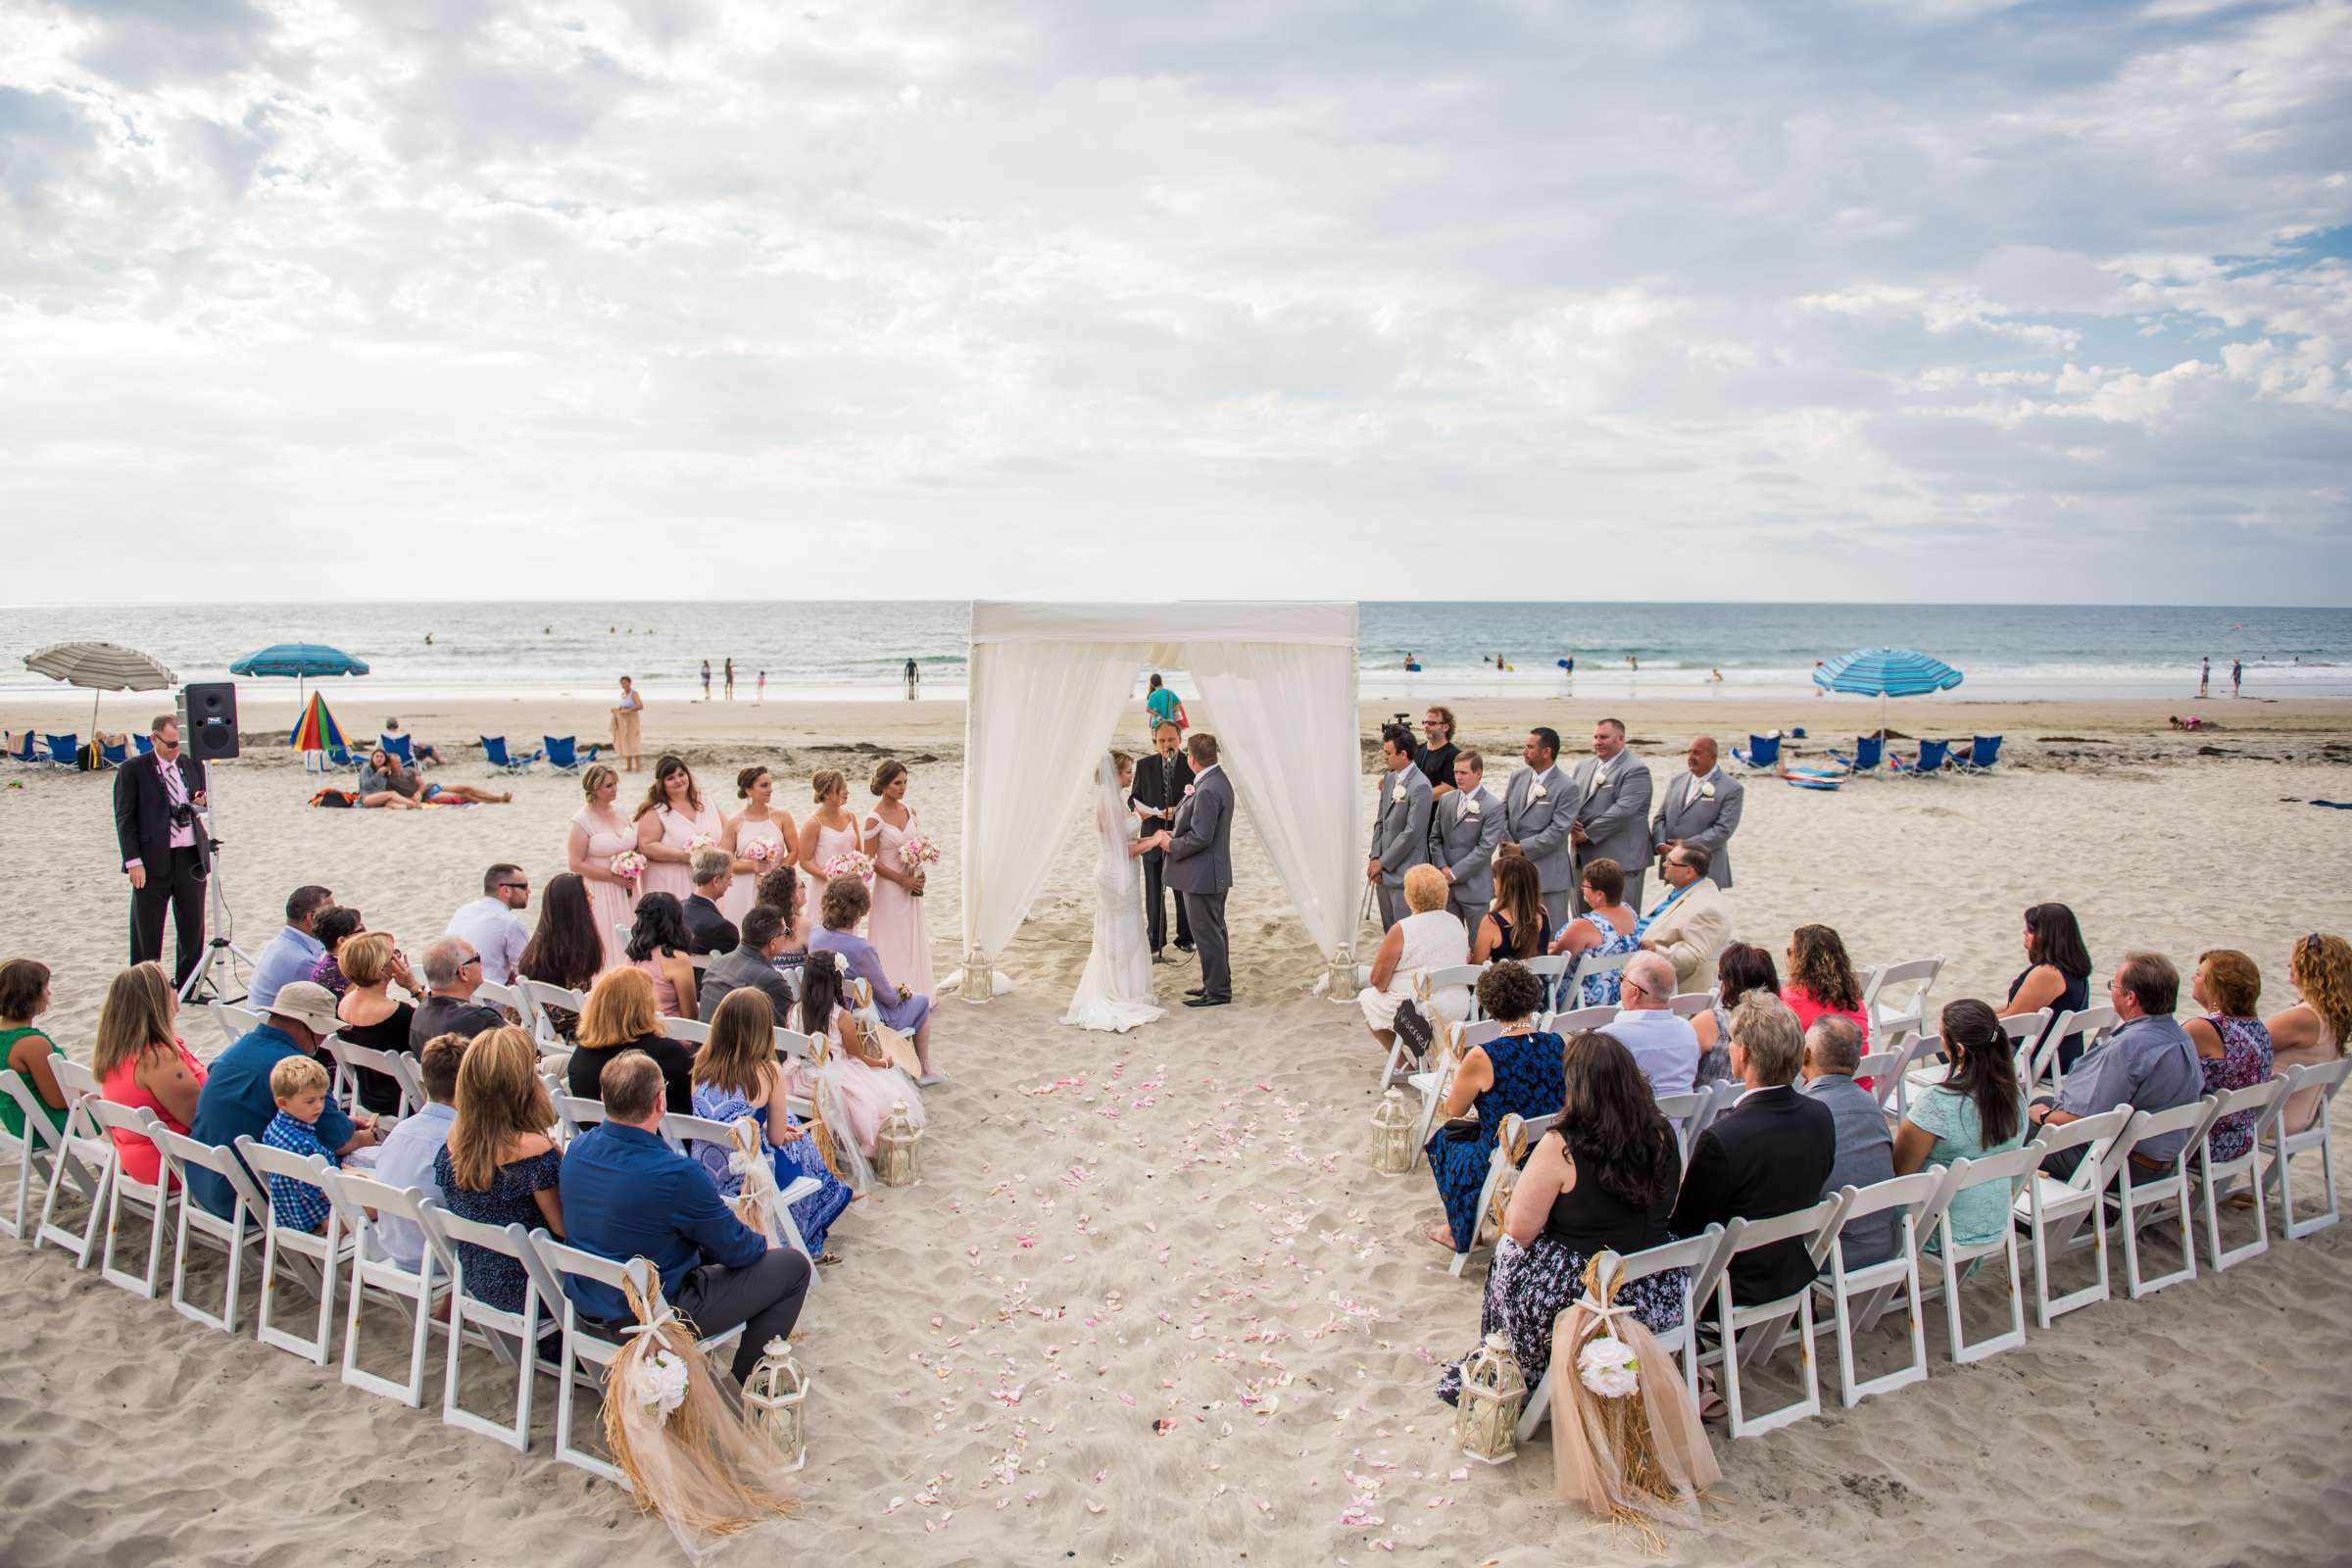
<point x="25" y="997"/>
<point x="1977" y="1111"/>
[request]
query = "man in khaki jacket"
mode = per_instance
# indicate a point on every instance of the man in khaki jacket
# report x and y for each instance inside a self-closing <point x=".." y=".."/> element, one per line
<point x="1694" y="922"/>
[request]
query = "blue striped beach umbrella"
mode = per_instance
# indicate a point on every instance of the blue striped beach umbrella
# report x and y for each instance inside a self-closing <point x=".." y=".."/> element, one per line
<point x="1885" y="672"/>
<point x="300" y="661"/>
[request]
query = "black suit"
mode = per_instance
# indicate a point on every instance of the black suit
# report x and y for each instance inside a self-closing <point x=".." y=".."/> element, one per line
<point x="1162" y="785"/>
<point x="175" y="877"/>
<point x="1767" y="1157"/>
<point x="707" y="930"/>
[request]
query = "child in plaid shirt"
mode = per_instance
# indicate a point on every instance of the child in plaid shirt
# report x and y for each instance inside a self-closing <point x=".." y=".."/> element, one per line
<point x="299" y="1086"/>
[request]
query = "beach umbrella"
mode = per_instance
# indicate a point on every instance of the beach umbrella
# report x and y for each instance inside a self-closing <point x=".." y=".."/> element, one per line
<point x="1885" y="672"/>
<point x="300" y="661"/>
<point x="101" y="667"/>
<point x="317" y="730"/>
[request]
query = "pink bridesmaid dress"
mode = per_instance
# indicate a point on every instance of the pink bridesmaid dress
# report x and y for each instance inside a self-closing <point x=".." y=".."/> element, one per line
<point x="830" y="841"/>
<point x="611" y="903"/>
<point x="896" y="927"/>
<point x="676" y="877"/>
<point x="738" y="901"/>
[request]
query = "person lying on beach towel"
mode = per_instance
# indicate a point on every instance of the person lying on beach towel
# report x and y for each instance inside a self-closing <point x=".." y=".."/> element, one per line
<point x="383" y="782"/>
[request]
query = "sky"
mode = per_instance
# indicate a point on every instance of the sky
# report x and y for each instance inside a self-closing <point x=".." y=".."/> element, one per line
<point x="1921" y="299"/>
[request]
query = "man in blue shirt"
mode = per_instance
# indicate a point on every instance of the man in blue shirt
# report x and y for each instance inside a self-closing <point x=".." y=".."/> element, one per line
<point x="2149" y="1063"/>
<point x="627" y="1194"/>
<point x="293" y="952"/>
<point x="236" y="1099"/>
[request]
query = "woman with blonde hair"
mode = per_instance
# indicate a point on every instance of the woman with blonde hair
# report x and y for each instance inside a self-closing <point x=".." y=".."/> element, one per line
<point x="499" y="1166"/>
<point x="2233" y="1048"/>
<point x="369" y="1015"/>
<point x="736" y="1074"/>
<point x="621" y="1015"/>
<point x="1429" y="938"/>
<point x="831" y="830"/>
<point x="2318" y="1027"/>
<point x="897" y="926"/>
<point x="139" y="1060"/>
<point x="600" y="833"/>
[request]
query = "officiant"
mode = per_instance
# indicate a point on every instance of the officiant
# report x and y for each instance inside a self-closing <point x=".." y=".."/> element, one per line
<point x="1160" y="781"/>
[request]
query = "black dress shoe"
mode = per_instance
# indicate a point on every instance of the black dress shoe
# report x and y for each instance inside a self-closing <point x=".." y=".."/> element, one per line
<point x="1197" y="991"/>
<point x="1185" y="946"/>
<point x="1209" y="1001"/>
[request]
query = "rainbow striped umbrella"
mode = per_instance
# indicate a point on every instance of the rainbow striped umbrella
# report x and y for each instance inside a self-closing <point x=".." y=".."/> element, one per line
<point x="317" y="729"/>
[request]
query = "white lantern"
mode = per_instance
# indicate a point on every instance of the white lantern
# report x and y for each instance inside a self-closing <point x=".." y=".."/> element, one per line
<point x="1485" y="1423"/>
<point x="1392" y="1135"/>
<point x="895" y="1148"/>
<point x="774" y="1402"/>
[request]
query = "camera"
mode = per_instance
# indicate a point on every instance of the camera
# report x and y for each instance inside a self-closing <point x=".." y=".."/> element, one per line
<point x="184" y="816"/>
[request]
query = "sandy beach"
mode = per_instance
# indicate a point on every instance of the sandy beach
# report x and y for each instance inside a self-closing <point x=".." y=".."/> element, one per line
<point x="1180" y="1224"/>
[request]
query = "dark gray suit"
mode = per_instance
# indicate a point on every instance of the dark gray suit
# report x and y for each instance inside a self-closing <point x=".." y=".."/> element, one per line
<point x="1615" y="813"/>
<point x="1540" y="827"/>
<point x="1467" y="844"/>
<point x="1686" y="814"/>
<point x="1399" y="837"/>
<point x="1201" y="868"/>
<point x="1865" y="1157"/>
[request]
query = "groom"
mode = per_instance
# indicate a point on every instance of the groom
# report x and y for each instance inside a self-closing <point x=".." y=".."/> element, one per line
<point x="1201" y="867"/>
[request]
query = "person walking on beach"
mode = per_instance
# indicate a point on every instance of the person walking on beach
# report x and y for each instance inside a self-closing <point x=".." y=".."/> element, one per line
<point x="761" y="699"/>
<point x="706" y="680"/>
<point x="2237" y="675"/>
<point x="2205" y="675"/>
<point x="914" y="680"/>
<point x="730" y="678"/>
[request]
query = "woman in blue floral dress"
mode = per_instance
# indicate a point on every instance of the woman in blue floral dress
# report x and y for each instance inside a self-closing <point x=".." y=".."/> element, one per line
<point x="735" y="1075"/>
<point x="1609" y="926"/>
<point x="1518" y="1073"/>
<point x="2233" y="1045"/>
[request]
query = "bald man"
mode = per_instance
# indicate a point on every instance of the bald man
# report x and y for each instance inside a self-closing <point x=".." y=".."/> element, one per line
<point x="1700" y="806"/>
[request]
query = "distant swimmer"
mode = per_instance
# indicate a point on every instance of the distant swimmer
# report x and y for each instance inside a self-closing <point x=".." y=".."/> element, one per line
<point x="1715" y="675"/>
<point x="428" y="639"/>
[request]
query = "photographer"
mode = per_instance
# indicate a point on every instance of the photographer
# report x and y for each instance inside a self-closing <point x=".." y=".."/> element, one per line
<point x="165" y="852"/>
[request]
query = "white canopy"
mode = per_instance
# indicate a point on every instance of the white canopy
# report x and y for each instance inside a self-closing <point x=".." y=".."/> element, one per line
<point x="1048" y="682"/>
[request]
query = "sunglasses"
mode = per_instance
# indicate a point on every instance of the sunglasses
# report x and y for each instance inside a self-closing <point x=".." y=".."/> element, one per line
<point x="469" y="961"/>
<point x="520" y="887"/>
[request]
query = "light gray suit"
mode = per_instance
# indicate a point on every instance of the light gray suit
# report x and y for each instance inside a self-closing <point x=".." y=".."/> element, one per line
<point x="1541" y="830"/>
<point x="1685" y="814"/>
<point x="1468" y="845"/>
<point x="1865" y="1156"/>
<point x="1201" y="868"/>
<point x="1399" y="837"/>
<point x="1615" y="813"/>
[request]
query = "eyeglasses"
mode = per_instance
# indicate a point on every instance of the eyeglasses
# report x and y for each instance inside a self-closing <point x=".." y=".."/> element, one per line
<point x="517" y="886"/>
<point x="469" y="961"/>
<point x="1629" y="983"/>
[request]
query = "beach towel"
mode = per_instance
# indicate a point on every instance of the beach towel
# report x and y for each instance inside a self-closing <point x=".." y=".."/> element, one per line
<point x="336" y="798"/>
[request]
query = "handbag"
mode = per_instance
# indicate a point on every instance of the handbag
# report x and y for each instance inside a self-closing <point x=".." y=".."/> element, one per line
<point x="1414" y="1030"/>
<point x="1460" y="1130"/>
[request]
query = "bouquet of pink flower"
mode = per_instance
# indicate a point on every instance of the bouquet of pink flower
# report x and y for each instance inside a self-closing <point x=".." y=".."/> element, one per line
<point x="850" y="862"/>
<point x="918" y="851"/>
<point x="628" y="865"/>
<point x="760" y="852"/>
<point x="702" y="841"/>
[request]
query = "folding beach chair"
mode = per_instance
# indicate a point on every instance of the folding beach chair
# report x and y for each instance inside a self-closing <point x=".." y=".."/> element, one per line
<point x="1933" y="757"/>
<point x="144" y="744"/>
<point x="1860" y="1295"/>
<point x="1984" y="754"/>
<point x="1750" y="1335"/>
<point x="2214" y="1179"/>
<point x="25" y="752"/>
<point x="1960" y="1260"/>
<point x="493" y="752"/>
<point x="400" y="745"/>
<point x="563" y="752"/>
<point x="1762" y="756"/>
<point x="113" y="755"/>
<point x="1869" y="754"/>
<point x="65" y="751"/>
<point x="2282" y="1145"/>
<point x="34" y="1152"/>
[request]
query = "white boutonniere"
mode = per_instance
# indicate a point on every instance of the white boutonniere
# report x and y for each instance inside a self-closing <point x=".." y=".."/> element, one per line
<point x="1469" y="808"/>
<point x="1539" y="791"/>
<point x="1706" y="791"/>
<point x="1398" y="795"/>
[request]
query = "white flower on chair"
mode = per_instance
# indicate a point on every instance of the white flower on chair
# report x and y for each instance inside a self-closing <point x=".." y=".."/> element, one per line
<point x="1608" y="1367"/>
<point x="661" y="1383"/>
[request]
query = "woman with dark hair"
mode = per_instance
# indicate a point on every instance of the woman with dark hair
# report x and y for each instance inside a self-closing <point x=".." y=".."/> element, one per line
<point x="674" y="820"/>
<point x="1518" y="1072"/>
<point x="1979" y="1109"/>
<point x="2056" y="976"/>
<point x="784" y="890"/>
<point x="564" y="951"/>
<point x="1822" y="980"/>
<point x="855" y="1084"/>
<point x="1605" y="1179"/>
<point x="25" y="1047"/>
<point x="658" y="945"/>
<point x="1741" y="967"/>
<point x="334" y="926"/>
<point x="1516" y="925"/>
<point x="899" y="1005"/>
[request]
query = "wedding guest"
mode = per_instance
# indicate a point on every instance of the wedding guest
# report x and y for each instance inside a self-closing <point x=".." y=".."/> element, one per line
<point x="751" y="963"/>
<point x="25" y="1047"/>
<point x="1701" y="807"/>
<point x="904" y="1009"/>
<point x="784" y="890"/>
<point x="2316" y="1028"/>
<point x="830" y="832"/>
<point x="564" y="951"/>
<point x="334" y="926"/>
<point x="659" y="947"/>
<point x="237" y="1101"/>
<point x="1741" y="968"/>
<point x="627" y="714"/>
<point x="899" y="928"/>
<point x="619" y="1016"/>
<point x="2056" y="976"/>
<point x="736" y="1074"/>
<point x="1612" y="817"/>
<point x="1518" y="924"/>
<point x="1538" y="809"/>
<point x="139" y="1060"/>
<point x="491" y="926"/>
<point x="1160" y="781"/>
<point x="452" y="973"/>
<point x="1663" y="1044"/>
<point x="857" y="1083"/>
<point x="1822" y="980"/>
<point x="412" y="1149"/>
<point x="1603" y="1179"/>
<point x="2233" y="1048"/>
<point x="1977" y="1110"/>
<point x="369" y="1015"/>
<point x="599" y="835"/>
<point x="674" y="820"/>
<point x="1429" y="938"/>
<point x="1694" y="922"/>
<point x="2148" y="1063"/>
<point x="1865" y="1149"/>
<point x="298" y="1088"/>
<point x="1467" y="828"/>
<point x="498" y="1166"/>
<point x="1519" y="1072"/>
<point x="707" y="928"/>
<point x="294" y="952"/>
<point x="1604" y="930"/>
<point x="760" y="836"/>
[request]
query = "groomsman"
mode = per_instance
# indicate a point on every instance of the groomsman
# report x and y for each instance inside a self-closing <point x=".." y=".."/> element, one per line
<point x="1701" y="807"/>
<point x="1160" y="781"/>
<point x="1536" y="809"/>
<point x="1469" y="826"/>
<point x="1399" y="824"/>
<point x="1612" y="811"/>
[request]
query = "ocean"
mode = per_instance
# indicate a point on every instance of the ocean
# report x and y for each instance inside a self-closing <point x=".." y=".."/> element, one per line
<point x="840" y="649"/>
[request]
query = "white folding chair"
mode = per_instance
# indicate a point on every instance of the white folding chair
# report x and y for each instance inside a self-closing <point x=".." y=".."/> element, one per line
<point x="446" y="1236"/>
<point x="1860" y="1297"/>
<point x="35" y="1151"/>
<point x="684" y="1030"/>
<point x="1883" y="1070"/>
<point x="1928" y="1064"/>
<point x="236" y="1236"/>
<point x="1580" y="1019"/>
<point x="147" y="1199"/>
<point x="2094" y="1024"/>
<point x="622" y="930"/>
<point x="1688" y="1004"/>
<point x="1766" y="1321"/>
<point x="2282" y="1145"/>
<point x="2011" y="1169"/>
<point x="2056" y="1210"/>
<point x="1723" y="1094"/>
<point x="1690" y="1255"/>
<point x="490" y="993"/>
<point x="1891" y="1017"/>
<point x="678" y="1130"/>
<point x="1433" y="1082"/>
<point x="1513" y="1139"/>
<point x="538" y="998"/>
<point x="85" y="1161"/>
<point x="2214" y="1179"/>
<point x="1590" y="965"/>
<point x="410" y="1291"/>
<point x="576" y="1113"/>
<point x="234" y="1022"/>
<point x="2159" y="1195"/>
<point x="586" y="1353"/>
<point x="352" y="1060"/>
<point x="326" y="1250"/>
<point x="1682" y="1112"/>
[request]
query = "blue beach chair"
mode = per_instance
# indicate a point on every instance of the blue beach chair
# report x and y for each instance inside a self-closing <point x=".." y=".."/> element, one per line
<point x="65" y="751"/>
<point x="402" y="747"/>
<point x="26" y="751"/>
<point x="1984" y="754"/>
<point x="563" y="753"/>
<point x="1870" y="754"/>
<point x="1932" y="757"/>
<point x="145" y="743"/>
<point x="354" y="757"/>
<point x="113" y="755"/>
<point x="493" y="752"/>
<point x="1763" y="753"/>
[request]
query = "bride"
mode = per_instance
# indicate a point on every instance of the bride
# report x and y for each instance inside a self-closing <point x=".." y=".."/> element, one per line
<point x="1115" y="991"/>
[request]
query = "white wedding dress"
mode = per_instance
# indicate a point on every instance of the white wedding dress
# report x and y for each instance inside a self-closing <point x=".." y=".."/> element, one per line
<point x="1115" y="991"/>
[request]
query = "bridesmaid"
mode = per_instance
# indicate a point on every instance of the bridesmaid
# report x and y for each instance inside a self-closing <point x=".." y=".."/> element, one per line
<point x="759" y="822"/>
<point x="896" y="928"/>
<point x="599" y="832"/>
<point x="832" y="830"/>
<point x="673" y="815"/>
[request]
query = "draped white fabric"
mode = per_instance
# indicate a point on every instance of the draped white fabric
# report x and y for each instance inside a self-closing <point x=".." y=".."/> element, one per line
<point x="1047" y="685"/>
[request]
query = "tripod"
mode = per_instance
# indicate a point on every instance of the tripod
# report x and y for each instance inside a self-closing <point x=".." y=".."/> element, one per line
<point x="216" y="976"/>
